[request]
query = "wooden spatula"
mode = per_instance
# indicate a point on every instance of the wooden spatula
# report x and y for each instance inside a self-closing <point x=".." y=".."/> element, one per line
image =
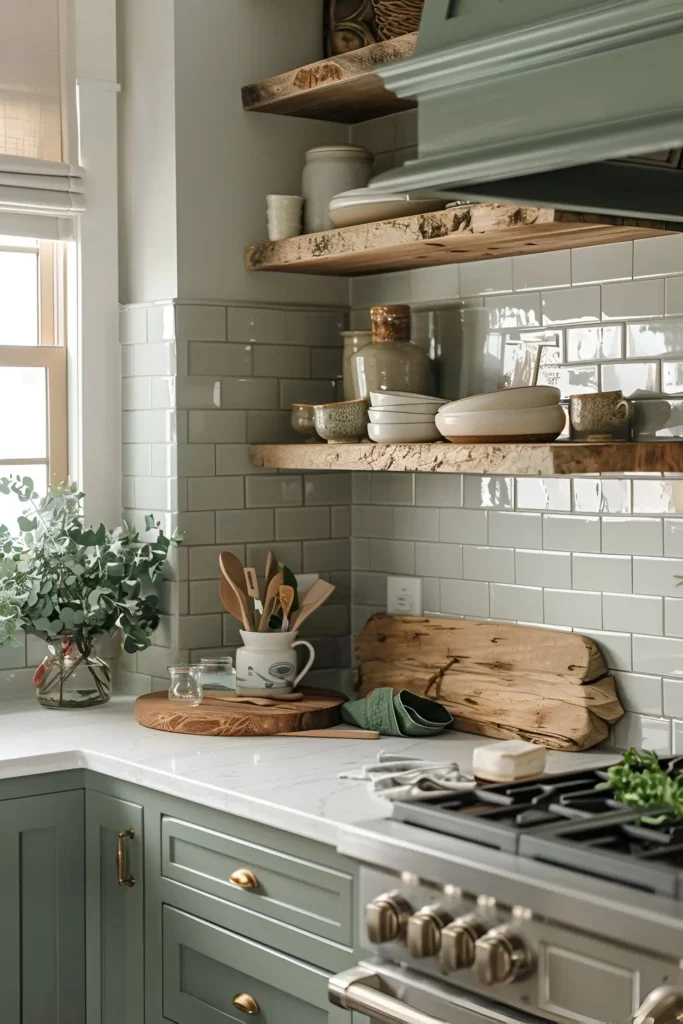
<point x="252" y="589"/>
<point x="270" y="600"/>
<point x="313" y="598"/>
<point x="233" y="573"/>
<point x="286" y="596"/>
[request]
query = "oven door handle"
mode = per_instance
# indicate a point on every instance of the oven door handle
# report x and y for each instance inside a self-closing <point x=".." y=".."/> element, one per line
<point x="359" y="989"/>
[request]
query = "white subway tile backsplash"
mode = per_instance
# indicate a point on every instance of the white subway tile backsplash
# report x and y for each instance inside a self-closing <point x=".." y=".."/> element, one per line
<point x="218" y="359"/>
<point x="615" y="648"/>
<point x="464" y="597"/>
<point x="137" y="459"/>
<point x="149" y="360"/>
<point x="371" y="521"/>
<point x="216" y="492"/>
<point x="630" y="536"/>
<point x="489" y="492"/>
<point x="638" y="693"/>
<point x="370" y="588"/>
<point x="329" y="555"/>
<point x="435" y="489"/>
<point x="463" y="526"/>
<point x="327" y="488"/>
<point x="435" y="284"/>
<point x="571" y="533"/>
<point x="302" y="523"/>
<point x="257" y="325"/>
<point x="155" y="426"/>
<point x="514" y="530"/>
<point x="203" y="561"/>
<point x="249" y="393"/>
<point x="672" y="376"/>
<point x="673" y="538"/>
<point x="673" y="698"/>
<point x="197" y="527"/>
<point x="599" y="263"/>
<point x="573" y="608"/>
<point x="486" y="277"/>
<point x="360" y="552"/>
<point x="393" y="556"/>
<point x="249" y="525"/>
<point x="196" y="460"/>
<point x="523" y="309"/>
<point x="658" y="655"/>
<point x="205" y="598"/>
<point x="657" y="257"/>
<point x="381" y="288"/>
<point x="416" y="524"/>
<point x="542" y="270"/>
<point x="543" y="569"/>
<point x="644" y="733"/>
<point x="133" y="326"/>
<point x="611" y="573"/>
<point x="340" y="521"/>
<point x="361" y="488"/>
<point x="629" y="377"/>
<point x="137" y="392"/>
<point x="633" y="613"/>
<point x="214" y="425"/>
<point x="656" y="338"/>
<point x="632" y="299"/>
<point x="571" y="380"/>
<point x="673" y="616"/>
<point x="658" y="497"/>
<point x="587" y="344"/>
<point x="674" y="296"/>
<point x="571" y="306"/>
<point x="393" y="488"/>
<point x="515" y="603"/>
<point x="439" y="560"/>
<point x="657" y="576"/>
<point x="200" y="323"/>
<point x="545" y="494"/>
<point x="161" y="322"/>
<point x="495" y="565"/>
<point x="604" y="496"/>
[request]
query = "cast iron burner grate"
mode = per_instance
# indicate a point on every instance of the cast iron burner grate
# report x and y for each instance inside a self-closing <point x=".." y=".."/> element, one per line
<point x="563" y="820"/>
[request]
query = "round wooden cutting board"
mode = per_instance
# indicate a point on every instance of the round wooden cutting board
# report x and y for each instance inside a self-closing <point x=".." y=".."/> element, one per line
<point x="215" y="716"/>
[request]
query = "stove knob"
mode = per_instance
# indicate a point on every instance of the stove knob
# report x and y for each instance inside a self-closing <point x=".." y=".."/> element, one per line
<point x="386" y="917"/>
<point x="424" y="931"/>
<point x="501" y="956"/>
<point x="458" y="942"/>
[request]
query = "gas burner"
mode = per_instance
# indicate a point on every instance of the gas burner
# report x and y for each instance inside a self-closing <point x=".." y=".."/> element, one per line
<point x="565" y="820"/>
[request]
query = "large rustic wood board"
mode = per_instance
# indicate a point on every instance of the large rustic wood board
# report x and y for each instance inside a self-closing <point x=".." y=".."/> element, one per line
<point x="480" y="231"/>
<point x="215" y="716"/>
<point x="496" y="679"/>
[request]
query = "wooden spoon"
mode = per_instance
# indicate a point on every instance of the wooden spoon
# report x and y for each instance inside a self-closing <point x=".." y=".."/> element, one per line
<point x="231" y="601"/>
<point x="313" y="598"/>
<point x="271" y="569"/>
<point x="286" y="596"/>
<point x="233" y="572"/>
<point x="270" y="599"/>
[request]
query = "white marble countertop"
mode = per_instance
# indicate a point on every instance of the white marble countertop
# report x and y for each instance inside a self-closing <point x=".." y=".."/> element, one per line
<point x="284" y="782"/>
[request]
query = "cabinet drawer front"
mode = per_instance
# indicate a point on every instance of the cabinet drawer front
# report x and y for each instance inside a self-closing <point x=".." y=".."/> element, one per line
<point x="290" y="889"/>
<point x="206" y="967"/>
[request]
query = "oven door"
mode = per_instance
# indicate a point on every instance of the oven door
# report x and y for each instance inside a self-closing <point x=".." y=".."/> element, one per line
<point x="392" y="995"/>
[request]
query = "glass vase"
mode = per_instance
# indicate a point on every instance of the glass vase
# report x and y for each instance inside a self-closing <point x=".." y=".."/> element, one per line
<point x="72" y="676"/>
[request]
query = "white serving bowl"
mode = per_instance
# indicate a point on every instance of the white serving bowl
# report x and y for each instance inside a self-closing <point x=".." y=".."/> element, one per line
<point x="544" y="423"/>
<point x="399" y="416"/>
<point x="415" y="410"/>
<point x="382" y="399"/>
<point x="364" y="205"/>
<point x="509" y="398"/>
<point x="403" y="433"/>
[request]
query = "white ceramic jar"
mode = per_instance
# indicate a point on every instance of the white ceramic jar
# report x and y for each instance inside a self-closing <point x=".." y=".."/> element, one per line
<point x="330" y="170"/>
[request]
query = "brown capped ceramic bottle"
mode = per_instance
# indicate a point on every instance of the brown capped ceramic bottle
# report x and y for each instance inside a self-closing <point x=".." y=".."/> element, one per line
<point x="392" y="362"/>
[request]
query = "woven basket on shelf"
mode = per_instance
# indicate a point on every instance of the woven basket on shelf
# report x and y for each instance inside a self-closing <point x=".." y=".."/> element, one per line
<point x="397" y="17"/>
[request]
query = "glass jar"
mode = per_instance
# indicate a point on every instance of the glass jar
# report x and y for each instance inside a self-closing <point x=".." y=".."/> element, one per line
<point x="215" y="674"/>
<point x="72" y="676"/>
<point x="330" y="170"/>
<point x="354" y="341"/>
<point x="391" y="362"/>
<point x="185" y="686"/>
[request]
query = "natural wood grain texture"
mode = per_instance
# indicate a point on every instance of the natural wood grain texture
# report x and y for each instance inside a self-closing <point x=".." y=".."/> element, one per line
<point x="497" y="680"/>
<point x="345" y="88"/>
<point x="214" y="717"/>
<point x="560" y="459"/>
<point x="480" y="231"/>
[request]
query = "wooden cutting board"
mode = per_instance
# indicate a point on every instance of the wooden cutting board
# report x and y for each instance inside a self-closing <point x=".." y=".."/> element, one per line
<point x="498" y="680"/>
<point x="216" y="717"/>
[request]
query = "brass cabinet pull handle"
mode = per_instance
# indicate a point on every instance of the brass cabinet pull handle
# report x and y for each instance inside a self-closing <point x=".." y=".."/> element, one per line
<point x="245" y="878"/>
<point x="121" y="859"/>
<point x="246" y="1003"/>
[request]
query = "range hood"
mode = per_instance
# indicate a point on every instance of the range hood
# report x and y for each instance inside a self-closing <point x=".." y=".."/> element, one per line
<point x="576" y="104"/>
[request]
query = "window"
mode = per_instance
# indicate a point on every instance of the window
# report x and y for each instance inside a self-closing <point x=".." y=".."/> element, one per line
<point x="33" y="373"/>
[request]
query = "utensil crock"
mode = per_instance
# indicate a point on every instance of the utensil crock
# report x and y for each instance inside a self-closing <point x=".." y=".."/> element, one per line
<point x="268" y="661"/>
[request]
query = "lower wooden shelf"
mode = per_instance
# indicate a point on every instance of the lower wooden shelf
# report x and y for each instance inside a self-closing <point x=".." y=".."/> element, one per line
<point x="563" y="458"/>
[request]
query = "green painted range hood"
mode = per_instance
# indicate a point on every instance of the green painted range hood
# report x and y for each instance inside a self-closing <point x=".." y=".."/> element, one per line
<point x="576" y="104"/>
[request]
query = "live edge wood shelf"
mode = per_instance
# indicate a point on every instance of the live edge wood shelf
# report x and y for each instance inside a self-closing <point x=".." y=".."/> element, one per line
<point x="479" y="231"/>
<point x="346" y="88"/>
<point x="563" y="458"/>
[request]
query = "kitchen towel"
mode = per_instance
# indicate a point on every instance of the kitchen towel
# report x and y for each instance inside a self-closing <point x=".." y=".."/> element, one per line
<point x="401" y="714"/>
<point x="412" y="779"/>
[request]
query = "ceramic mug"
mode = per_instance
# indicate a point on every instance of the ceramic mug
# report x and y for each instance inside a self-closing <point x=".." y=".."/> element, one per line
<point x="601" y="416"/>
<point x="268" y="661"/>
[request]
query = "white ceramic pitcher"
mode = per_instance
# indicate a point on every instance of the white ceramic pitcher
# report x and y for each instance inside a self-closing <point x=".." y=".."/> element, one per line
<point x="268" y="661"/>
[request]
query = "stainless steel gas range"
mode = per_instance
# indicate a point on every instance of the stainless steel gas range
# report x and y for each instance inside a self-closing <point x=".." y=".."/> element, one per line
<point x="513" y="903"/>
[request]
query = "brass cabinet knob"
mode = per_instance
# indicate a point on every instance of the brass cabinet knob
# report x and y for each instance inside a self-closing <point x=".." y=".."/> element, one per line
<point x="245" y="878"/>
<point x="246" y="1004"/>
<point x="501" y="957"/>
<point x="458" y="942"/>
<point x="386" y="917"/>
<point x="424" y="931"/>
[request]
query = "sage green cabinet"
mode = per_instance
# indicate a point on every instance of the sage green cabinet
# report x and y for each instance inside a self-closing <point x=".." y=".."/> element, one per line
<point x="42" y="926"/>
<point x="114" y="887"/>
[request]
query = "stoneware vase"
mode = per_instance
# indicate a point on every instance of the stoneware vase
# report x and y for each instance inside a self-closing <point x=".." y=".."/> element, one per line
<point x="268" y="661"/>
<point x="72" y="676"/>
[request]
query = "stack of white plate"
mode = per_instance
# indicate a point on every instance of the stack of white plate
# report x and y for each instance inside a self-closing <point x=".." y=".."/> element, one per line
<point x="531" y="415"/>
<point x="365" y="205"/>
<point x="398" y="417"/>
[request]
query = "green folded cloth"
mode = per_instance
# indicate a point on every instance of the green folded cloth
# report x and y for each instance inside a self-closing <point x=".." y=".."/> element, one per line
<point x="401" y="714"/>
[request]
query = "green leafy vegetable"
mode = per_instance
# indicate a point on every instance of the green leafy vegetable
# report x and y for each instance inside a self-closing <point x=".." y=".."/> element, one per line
<point x="640" y="781"/>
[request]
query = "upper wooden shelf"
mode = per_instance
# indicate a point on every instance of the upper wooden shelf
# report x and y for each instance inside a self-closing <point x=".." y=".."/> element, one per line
<point x="481" y="231"/>
<point x="344" y="88"/>
<point x="563" y="458"/>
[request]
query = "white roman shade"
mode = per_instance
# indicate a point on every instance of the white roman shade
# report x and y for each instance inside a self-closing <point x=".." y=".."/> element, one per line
<point x="38" y="179"/>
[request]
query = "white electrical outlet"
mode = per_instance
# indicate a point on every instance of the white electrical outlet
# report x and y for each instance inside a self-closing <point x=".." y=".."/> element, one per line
<point x="404" y="595"/>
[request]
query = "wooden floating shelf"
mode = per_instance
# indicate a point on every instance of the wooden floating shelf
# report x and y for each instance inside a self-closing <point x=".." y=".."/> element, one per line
<point x="346" y="88"/>
<point x="563" y="458"/>
<point x="480" y="231"/>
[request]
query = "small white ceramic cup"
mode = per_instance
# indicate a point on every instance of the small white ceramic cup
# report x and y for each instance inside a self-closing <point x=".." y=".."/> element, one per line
<point x="280" y="227"/>
<point x="268" y="661"/>
<point x="289" y="207"/>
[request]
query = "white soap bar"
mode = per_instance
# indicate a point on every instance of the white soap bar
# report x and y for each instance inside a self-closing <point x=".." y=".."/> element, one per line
<point x="508" y="761"/>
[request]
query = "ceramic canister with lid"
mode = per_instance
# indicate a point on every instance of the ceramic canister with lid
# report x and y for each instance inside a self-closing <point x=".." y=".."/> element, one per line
<point x="354" y="341"/>
<point x="392" y="362"/>
<point x="330" y="170"/>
